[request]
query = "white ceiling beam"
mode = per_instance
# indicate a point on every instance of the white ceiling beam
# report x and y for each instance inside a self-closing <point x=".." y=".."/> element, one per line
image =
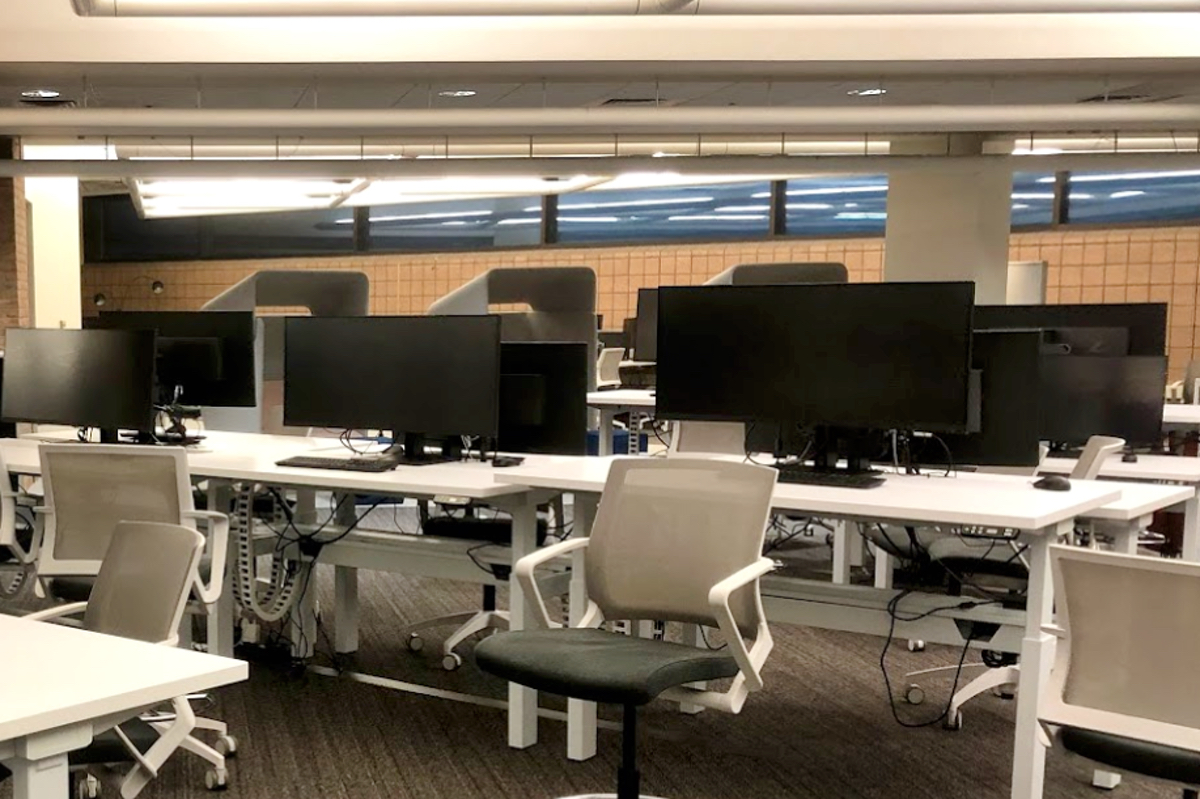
<point x="725" y="120"/>
<point x="504" y="8"/>
<point x="751" y="167"/>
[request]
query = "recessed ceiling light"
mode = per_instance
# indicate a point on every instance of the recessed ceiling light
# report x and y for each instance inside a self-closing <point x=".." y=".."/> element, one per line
<point x="41" y="94"/>
<point x="874" y="91"/>
<point x="457" y="93"/>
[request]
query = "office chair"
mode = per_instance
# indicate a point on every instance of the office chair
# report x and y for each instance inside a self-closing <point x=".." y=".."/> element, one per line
<point x="140" y="592"/>
<point x="707" y="438"/>
<point x="608" y="368"/>
<point x="1122" y="692"/>
<point x="673" y="540"/>
<point x="962" y="557"/>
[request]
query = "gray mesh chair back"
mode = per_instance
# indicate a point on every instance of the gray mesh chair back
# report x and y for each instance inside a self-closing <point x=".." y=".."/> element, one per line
<point x="90" y="488"/>
<point x="144" y="581"/>
<point x="1131" y="630"/>
<point x="776" y="274"/>
<point x="667" y="531"/>
<point x="1091" y="460"/>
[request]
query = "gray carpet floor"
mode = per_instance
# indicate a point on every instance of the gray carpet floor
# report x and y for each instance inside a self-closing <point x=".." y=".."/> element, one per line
<point x="822" y="729"/>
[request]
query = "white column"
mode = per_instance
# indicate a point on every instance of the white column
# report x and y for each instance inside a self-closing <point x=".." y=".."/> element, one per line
<point x="947" y="222"/>
<point x="54" y="273"/>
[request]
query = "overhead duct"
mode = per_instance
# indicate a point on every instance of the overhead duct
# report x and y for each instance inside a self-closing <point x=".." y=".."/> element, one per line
<point x="509" y="8"/>
<point x="677" y="120"/>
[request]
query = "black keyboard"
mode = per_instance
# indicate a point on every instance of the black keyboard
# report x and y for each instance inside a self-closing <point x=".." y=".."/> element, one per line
<point x="344" y="464"/>
<point x="833" y="479"/>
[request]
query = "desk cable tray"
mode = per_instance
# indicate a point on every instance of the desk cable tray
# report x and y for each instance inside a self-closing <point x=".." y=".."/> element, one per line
<point x="270" y="598"/>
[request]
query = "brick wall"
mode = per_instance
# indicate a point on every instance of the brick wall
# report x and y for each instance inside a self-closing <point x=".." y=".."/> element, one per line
<point x="1116" y="265"/>
<point x="14" y="268"/>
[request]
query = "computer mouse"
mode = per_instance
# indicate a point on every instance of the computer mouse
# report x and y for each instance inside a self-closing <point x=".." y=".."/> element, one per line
<point x="1129" y="457"/>
<point x="1053" y="482"/>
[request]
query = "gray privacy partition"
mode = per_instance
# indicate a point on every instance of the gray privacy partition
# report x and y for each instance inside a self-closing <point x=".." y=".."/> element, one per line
<point x="323" y="293"/>
<point x="561" y="300"/>
<point x="774" y="274"/>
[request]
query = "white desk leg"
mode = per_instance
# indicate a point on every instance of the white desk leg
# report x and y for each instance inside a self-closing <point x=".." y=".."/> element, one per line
<point x="855" y="547"/>
<point x="223" y="615"/>
<point x="345" y="587"/>
<point x="1037" y="653"/>
<point x="693" y="636"/>
<point x="345" y="609"/>
<point x="841" y="553"/>
<point x="522" y="701"/>
<point x="604" y="446"/>
<point x="40" y="769"/>
<point x="633" y="444"/>
<point x="883" y="569"/>
<point x="1191" y="529"/>
<point x="581" y="715"/>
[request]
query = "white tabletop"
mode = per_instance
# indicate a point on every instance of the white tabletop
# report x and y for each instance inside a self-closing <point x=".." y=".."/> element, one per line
<point x="622" y="398"/>
<point x="52" y="676"/>
<point x="252" y="457"/>
<point x="1181" y="415"/>
<point x="1169" y="468"/>
<point x="1136" y="500"/>
<point x="986" y="501"/>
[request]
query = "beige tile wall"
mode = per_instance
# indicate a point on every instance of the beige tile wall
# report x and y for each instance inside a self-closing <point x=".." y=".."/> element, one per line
<point x="1117" y="265"/>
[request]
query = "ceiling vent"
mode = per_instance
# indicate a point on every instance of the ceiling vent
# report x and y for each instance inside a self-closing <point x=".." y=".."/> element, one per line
<point x="1129" y="96"/>
<point x="56" y="102"/>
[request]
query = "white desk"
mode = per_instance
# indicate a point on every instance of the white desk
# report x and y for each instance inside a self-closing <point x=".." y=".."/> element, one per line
<point x="60" y="686"/>
<point x="1040" y="516"/>
<point x="1152" y="469"/>
<point x="249" y="458"/>
<point x="1180" y="416"/>
<point x="613" y="403"/>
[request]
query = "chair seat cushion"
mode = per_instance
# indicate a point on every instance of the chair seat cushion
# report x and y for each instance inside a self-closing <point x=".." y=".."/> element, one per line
<point x="599" y="666"/>
<point x="1137" y="757"/>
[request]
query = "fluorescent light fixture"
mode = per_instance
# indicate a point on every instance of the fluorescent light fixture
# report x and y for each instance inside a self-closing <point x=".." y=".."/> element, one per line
<point x="627" y="204"/>
<point x="862" y="215"/>
<point x="41" y="94"/>
<point x="1075" y="195"/>
<point x="871" y="91"/>
<point x="590" y="219"/>
<point x="870" y="189"/>
<point x="1019" y="206"/>
<point x="717" y="218"/>
<point x="520" y="221"/>
<point x="418" y="217"/>
<point x="814" y="206"/>
<point x="1102" y="178"/>
<point x="741" y="209"/>
<point x="397" y="191"/>
<point x="457" y="93"/>
<point x="1037" y="151"/>
<point x="1033" y="195"/>
<point x="236" y="189"/>
<point x="1121" y="195"/>
<point x="850" y="205"/>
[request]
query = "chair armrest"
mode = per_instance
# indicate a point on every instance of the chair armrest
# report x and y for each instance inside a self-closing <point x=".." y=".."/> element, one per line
<point x="57" y="612"/>
<point x="217" y="546"/>
<point x="718" y="600"/>
<point x="524" y="571"/>
<point x="1055" y="630"/>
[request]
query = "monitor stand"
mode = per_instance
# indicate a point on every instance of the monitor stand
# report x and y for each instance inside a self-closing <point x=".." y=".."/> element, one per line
<point x="838" y="450"/>
<point x="413" y="452"/>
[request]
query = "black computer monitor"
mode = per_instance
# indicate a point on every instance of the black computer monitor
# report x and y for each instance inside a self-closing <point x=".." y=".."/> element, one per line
<point x="1010" y="406"/>
<point x="1089" y="341"/>
<point x="417" y="376"/>
<point x="85" y="378"/>
<point x="1122" y="397"/>
<point x="1146" y="322"/>
<point x="610" y="339"/>
<point x="204" y="357"/>
<point x="869" y="356"/>
<point x="629" y="334"/>
<point x="543" y="397"/>
<point x="645" y="345"/>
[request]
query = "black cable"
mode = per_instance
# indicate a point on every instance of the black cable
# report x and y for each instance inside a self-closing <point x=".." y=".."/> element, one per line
<point x="893" y="611"/>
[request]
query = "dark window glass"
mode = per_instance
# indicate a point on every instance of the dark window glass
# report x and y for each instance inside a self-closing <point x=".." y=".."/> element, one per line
<point x="1134" y="196"/>
<point x="837" y="205"/>
<point x="1032" y="198"/>
<point x="113" y="231"/>
<point x="732" y="211"/>
<point x="457" y="225"/>
<point x="281" y="233"/>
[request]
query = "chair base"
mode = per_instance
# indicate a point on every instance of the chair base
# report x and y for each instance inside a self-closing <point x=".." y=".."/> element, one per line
<point x="604" y="796"/>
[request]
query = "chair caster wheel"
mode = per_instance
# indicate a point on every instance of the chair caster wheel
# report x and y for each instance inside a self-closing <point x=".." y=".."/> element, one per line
<point x="915" y="695"/>
<point x="953" y="723"/>
<point x="452" y="661"/>
<point x="916" y="646"/>
<point x="227" y="745"/>
<point x="87" y="787"/>
<point x="415" y="643"/>
<point x="216" y="779"/>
